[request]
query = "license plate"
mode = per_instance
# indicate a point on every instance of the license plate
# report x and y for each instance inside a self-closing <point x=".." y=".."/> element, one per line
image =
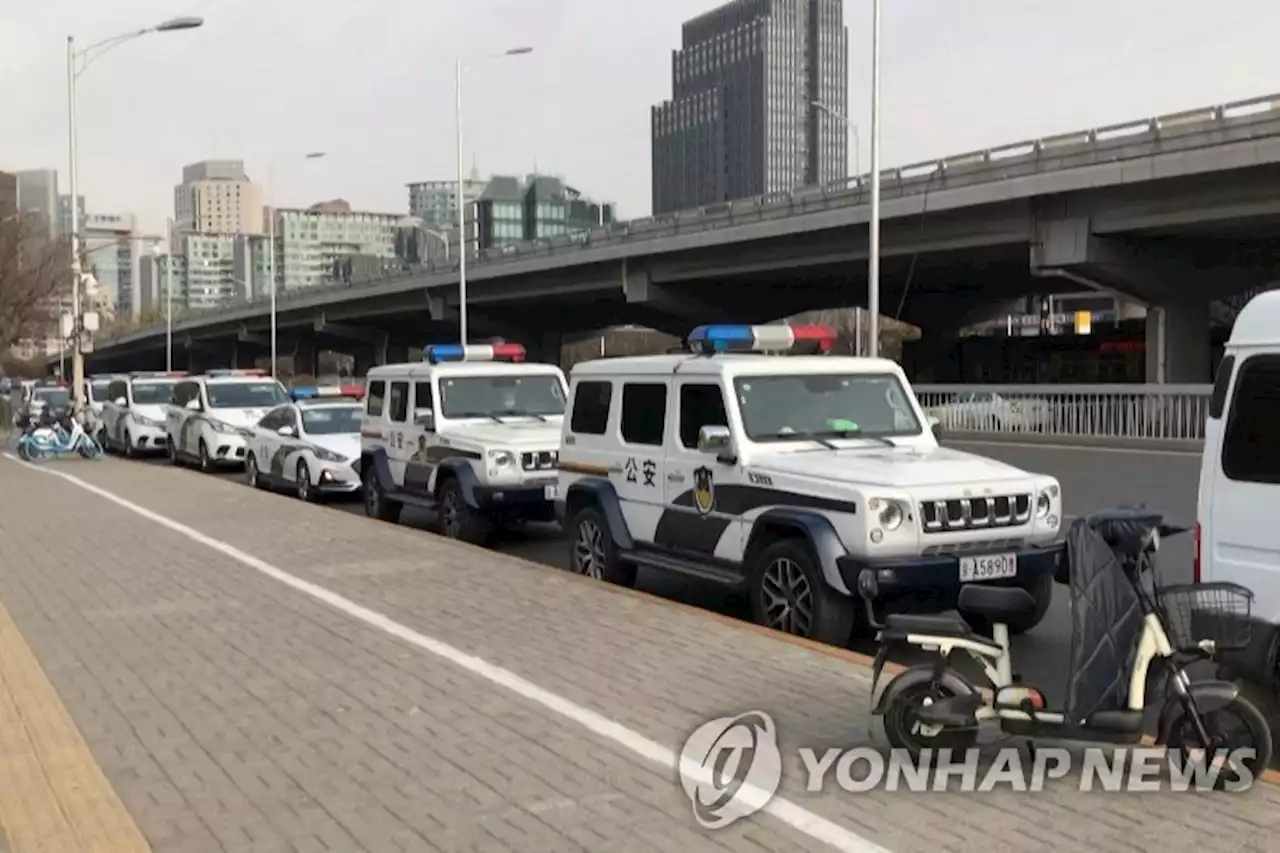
<point x="988" y="567"/>
<point x="549" y="492"/>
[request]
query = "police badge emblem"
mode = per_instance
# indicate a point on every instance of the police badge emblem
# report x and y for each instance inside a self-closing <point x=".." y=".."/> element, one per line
<point x="704" y="491"/>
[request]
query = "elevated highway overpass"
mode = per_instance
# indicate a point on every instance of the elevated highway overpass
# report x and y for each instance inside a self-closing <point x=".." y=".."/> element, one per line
<point x="1173" y="212"/>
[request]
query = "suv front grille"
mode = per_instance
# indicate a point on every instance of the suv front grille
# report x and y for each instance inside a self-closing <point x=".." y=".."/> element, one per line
<point x="544" y="460"/>
<point x="975" y="513"/>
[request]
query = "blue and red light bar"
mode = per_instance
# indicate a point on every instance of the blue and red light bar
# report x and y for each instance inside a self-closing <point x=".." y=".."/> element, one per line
<point x="762" y="339"/>
<point x="158" y="374"/>
<point x="437" y="353"/>
<point x="312" y="392"/>
<point x="237" y="372"/>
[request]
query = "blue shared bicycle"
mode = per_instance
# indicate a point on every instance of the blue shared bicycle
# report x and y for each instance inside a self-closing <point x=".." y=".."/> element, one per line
<point x="41" y="443"/>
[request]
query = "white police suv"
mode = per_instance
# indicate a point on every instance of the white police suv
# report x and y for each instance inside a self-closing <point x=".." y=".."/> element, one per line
<point x="133" y="412"/>
<point x="470" y="431"/>
<point x="310" y="446"/>
<point x="786" y="477"/>
<point x="205" y="419"/>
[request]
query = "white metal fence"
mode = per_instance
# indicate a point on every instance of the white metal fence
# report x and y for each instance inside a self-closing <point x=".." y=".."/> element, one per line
<point x="1115" y="415"/>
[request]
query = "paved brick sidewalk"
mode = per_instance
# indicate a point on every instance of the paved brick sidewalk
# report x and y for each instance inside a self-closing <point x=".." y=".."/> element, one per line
<point x="229" y="709"/>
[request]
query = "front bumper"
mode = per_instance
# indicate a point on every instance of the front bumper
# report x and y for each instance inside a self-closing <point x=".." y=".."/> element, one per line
<point x="148" y="438"/>
<point x="533" y="500"/>
<point x="935" y="579"/>
<point x="226" y="448"/>
<point x="338" y="479"/>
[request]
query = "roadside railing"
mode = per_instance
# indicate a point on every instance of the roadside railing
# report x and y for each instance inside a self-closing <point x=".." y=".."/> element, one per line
<point x="1156" y="416"/>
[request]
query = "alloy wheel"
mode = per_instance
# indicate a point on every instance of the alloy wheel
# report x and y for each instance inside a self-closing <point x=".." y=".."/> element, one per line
<point x="588" y="550"/>
<point x="788" y="597"/>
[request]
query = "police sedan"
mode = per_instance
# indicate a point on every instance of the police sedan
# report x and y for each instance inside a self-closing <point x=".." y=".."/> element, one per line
<point x="310" y="446"/>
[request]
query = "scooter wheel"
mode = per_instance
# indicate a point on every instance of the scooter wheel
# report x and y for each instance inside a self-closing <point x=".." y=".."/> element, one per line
<point x="903" y="729"/>
<point x="1236" y="726"/>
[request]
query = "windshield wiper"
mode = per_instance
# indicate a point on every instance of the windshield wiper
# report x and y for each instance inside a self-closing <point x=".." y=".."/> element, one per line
<point x="804" y="436"/>
<point x="857" y="433"/>
<point x="516" y="413"/>
<point x="490" y="415"/>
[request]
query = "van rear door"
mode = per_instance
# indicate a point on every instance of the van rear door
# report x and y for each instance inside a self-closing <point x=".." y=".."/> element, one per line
<point x="1241" y="542"/>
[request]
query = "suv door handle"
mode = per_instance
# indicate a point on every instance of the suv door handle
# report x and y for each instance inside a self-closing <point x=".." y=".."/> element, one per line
<point x="675" y="477"/>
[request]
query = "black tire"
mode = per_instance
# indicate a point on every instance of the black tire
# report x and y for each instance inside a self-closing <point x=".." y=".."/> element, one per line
<point x="1041" y="590"/>
<point x="376" y="504"/>
<point x="592" y="551"/>
<point x="303" y="483"/>
<point x="1241" y="717"/>
<point x="457" y="519"/>
<point x="901" y="718"/>
<point x="252" y="476"/>
<point x="788" y="593"/>
<point x="206" y="463"/>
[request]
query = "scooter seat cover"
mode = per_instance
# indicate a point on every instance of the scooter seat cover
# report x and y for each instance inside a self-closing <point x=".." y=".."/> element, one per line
<point x="1106" y="621"/>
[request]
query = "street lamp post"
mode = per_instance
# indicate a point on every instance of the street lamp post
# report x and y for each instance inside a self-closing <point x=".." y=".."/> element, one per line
<point x="873" y="248"/>
<point x="462" y="210"/>
<point x="857" y="168"/>
<point x="78" y="61"/>
<point x="271" y="252"/>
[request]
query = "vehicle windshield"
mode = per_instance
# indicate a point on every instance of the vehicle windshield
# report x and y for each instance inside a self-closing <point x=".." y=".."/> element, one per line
<point x="331" y="420"/>
<point x="55" y="397"/>
<point x="99" y="389"/>
<point x="534" y="395"/>
<point x="246" y="395"/>
<point x="152" y="393"/>
<point x="826" y="405"/>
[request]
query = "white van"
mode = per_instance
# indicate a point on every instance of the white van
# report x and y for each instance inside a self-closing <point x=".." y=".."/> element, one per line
<point x="1237" y="534"/>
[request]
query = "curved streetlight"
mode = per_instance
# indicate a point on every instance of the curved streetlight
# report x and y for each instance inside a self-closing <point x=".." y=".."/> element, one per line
<point x="271" y="246"/>
<point x="462" y="209"/>
<point x="78" y="61"/>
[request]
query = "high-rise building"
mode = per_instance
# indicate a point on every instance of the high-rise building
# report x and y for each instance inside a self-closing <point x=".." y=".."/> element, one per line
<point x="154" y="283"/>
<point x="436" y="202"/>
<point x="217" y="197"/>
<point x="743" y="119"/>
<point x="37" y="192"/>
<point x="210" y="271"/>
<point x="251" y="265"/>
<point x="329" y="242"/>
<point x="112" y="249"/>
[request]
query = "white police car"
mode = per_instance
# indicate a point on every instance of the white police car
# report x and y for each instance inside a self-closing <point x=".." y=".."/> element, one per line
<point x="95" y="398"/>
<point x="472" y="432"/>
<point x="205" y="419"/>
<point x="786" y="478"/>
<point x="133" y="412"/>
<point x="310" y="446"/>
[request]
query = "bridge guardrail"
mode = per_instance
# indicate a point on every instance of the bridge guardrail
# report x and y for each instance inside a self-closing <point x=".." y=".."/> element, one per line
<point x="1168" y="417"/>
<point x="1113" y="143"/>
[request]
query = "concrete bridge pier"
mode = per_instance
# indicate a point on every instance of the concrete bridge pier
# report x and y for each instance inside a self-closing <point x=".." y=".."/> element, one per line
<point x="1178" y="342"/>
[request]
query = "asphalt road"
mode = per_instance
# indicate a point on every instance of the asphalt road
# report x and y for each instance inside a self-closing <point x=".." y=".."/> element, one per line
<point x="1091" y="479"/>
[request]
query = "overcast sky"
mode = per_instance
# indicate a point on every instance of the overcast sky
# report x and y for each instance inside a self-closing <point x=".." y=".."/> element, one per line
<point x="371" y="83"/>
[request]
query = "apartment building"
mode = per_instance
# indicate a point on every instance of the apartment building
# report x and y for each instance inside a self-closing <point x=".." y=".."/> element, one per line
<point x="328" y="242"/>
<point x="217" y="197"/>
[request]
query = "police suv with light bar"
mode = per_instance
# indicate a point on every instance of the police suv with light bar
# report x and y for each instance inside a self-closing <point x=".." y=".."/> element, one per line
<point x="310" y="446"/>
<point x="785" y="477"/>
<point x="206" y="418"/>
<point x="470" y="431"/>
<point x="134" y="410"/>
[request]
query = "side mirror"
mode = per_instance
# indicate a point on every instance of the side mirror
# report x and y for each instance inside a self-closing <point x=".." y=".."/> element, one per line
<point x="935" y="426"/>
<point x="193" y="405"/>
<point x="286" y="430"/>
<point x="425" y="418"/>
<point x="714" y="439"/>
<point x="120" y="401"/>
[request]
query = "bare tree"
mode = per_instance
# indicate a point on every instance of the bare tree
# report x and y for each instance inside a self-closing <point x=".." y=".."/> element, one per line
<point x="34" y="272"/>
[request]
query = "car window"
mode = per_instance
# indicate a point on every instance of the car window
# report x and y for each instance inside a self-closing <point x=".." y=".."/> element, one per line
<point x="1250" y="449"/>
<point x="514" y="395"/>
<point x="700" y="405"/>
<point x="399" y="399"/>
<point x="591" y="403"/>
<point x="152" y="393"/>
<point x="245" y="395"/>
<point x="331" y="420"/>
<point x="376" y="398"/>
<point x="778" y="407"/>
<point x="644" y="412"/>
<point x="98" y="389"/>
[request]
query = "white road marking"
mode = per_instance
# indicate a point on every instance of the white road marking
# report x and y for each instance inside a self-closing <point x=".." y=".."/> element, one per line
<point x="1079" y="448"/>
<point x="782" y="809"/>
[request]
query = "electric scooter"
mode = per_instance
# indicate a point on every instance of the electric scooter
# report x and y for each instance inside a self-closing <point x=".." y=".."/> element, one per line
<point x="1123" y="622"/>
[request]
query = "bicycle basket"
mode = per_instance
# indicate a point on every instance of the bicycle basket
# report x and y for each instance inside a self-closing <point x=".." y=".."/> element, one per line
<point x="1218" y="612"/>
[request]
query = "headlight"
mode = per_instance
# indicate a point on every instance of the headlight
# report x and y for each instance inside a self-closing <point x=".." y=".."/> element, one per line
<point x="226" y="429"/>
<point x="889" y="513"/>
<point x="148" y="422"/>
<point x="1043" y="504"/>
<point x="328" y="455"/>
<point x="502" y="458"/>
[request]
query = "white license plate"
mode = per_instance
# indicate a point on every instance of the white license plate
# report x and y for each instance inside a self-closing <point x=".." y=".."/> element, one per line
<point x="549" y="492"/>
<point x="988" y="567"/>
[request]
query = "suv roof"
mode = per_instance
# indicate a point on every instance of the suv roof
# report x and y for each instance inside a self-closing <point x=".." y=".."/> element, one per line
<point x="732" y="364"/>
